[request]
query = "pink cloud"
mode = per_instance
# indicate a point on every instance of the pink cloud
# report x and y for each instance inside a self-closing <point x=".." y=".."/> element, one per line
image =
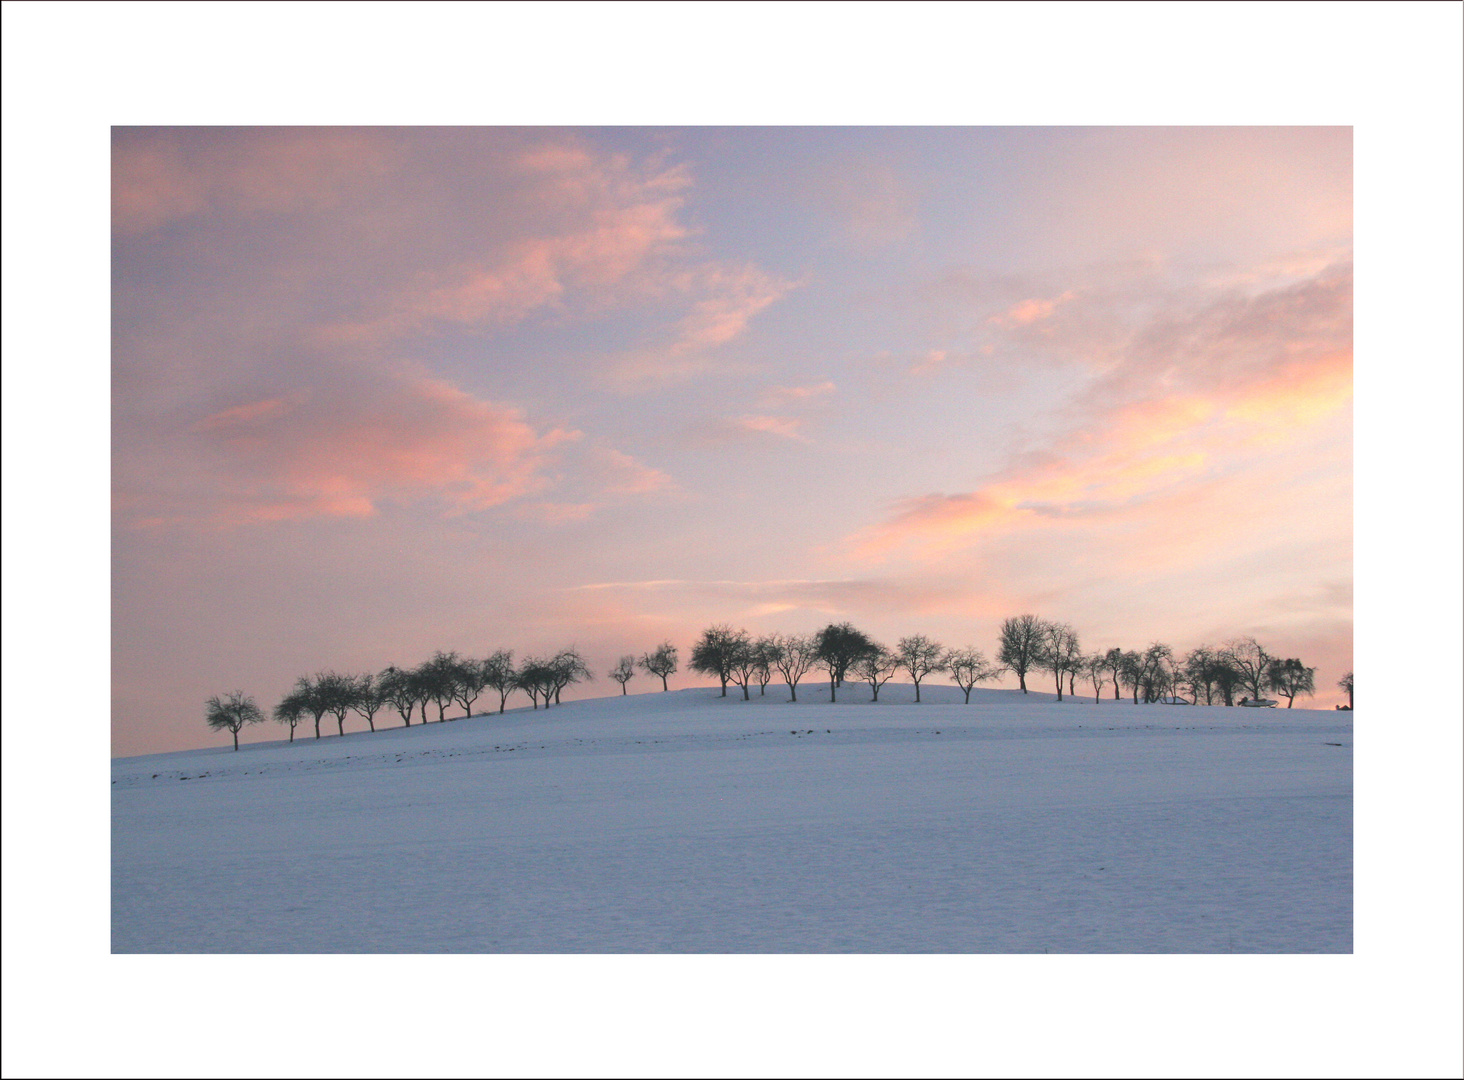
<point x="160" y="176"/>
<point x="1031" y="310"/>
<point x="777" y="396"/>
<point x="346" y="448"/>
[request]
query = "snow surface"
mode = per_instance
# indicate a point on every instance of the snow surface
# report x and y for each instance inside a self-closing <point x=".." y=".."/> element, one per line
<point x="686" y="822"/>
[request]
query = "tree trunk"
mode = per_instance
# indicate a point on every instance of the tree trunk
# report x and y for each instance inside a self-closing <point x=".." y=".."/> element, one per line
<point x="292" y="732"/>
<point x="1022" y="680"/>
<point x="341" y="726"/>
<point x="623" y="691"/>
<point x="793" y="690"/>
<point x="236" y="742"/>
<point x="831" y="689"/>
<point x="1115" y="686"/>
<point x="745" y="695"/>
<point x="1059" y="686"/>
<point x="917" y="691"/>
<point x="317" y="727"/>
<point x="968" y="694"/>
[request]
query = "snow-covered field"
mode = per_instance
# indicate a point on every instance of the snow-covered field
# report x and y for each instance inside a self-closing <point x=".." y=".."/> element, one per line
<point x="686" y="822"/>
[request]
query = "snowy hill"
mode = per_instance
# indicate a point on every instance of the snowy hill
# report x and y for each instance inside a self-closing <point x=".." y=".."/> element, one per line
<point x="688" y="822"/>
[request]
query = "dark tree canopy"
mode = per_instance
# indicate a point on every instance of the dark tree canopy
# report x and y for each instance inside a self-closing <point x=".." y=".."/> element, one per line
<point x="718" y="653"/>
<point x="1289" y="678"/>
<point x="838" y="645"/>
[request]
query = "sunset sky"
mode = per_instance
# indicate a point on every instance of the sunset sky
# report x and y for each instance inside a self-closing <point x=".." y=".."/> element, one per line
<point x="381" y="391"/>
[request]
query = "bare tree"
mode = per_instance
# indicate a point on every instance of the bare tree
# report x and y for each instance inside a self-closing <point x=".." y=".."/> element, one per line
<point x="438" y="679"/>
<point x="663" y="662"/>
<point x="623" y="672"/>
<point x="499" y="673"/>
<point x="876" y="666"/>
<point x="1345" y="683"/>
<point x="718" y="651"/>
<point x="566" y="668"/>
<point x="291" y="711"/>
<point x="368" y="698"/>
<point x="337" y="693"/>
<point x="534" y="678"/>
<point x="1252" y="661"/>
<point x="399" y="690"/>
<point x="1059" y="652"/>
<point x="1113" y="661"/>
<point x="1289" y="678"/>
<point x="969" y="667"/>
<point x="469" y="681"/>
<point x="796" y="655"/>
<point x="1096" y="667"/>
<point x="838" y="646"/>
<point x="313" y="698"/>
<point x="919" y="656"/>
<point x="231" y="712"/>
<point x="1021" y="644"/>
<point x="765" y="654"/>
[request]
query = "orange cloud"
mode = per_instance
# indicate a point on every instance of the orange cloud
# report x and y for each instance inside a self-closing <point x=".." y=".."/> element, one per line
<point x="1029" y="311"/>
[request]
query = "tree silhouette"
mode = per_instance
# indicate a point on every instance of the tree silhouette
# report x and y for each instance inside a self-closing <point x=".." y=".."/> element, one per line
<point x="623" y="672"/>
<point x="399" y="690"/>
<point x="1252" y="662"/>
<point x="1289" y="678"/>
<point x="919" y="656"/>
<point x="1058" y="651"/>
<point x="498" y="672"/>
<point x="663" y="662"/>
<point x="838" y="646"/>
<point x="1345" y="683"/>
<point x="718" y="651"/>
<point x="968" y="667"/>
<point x="291" y="711"/>
<point x="231" y="712"/>
<point x="794" y="655"/>
<point x="1020" y="645"/>
<point x="876" y="666"/>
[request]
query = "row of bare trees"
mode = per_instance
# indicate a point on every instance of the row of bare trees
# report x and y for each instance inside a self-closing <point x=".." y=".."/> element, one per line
<point x="1218" y="674"/>
<point x="838" y="649"/>
<point x="1240" y="669"/>
<point x="445" y="680"/>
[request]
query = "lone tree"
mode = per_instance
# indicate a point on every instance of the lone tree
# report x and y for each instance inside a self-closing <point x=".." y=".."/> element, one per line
<point x="1289" y="678"/>
<point x="663" y="662"/>
<point x="838" y="646"/>
<point x="718" y="652"/>
<point x="291" y="711"/>
<point x="1020" y="645"/>
<point x="969" y="667"/>
<point x="796" y="655"/>
<point x="876" y="666"/>
<point x="232" y="712"/>
<point x="623" y="672"/>
<point x="919" y="656"/>
<point x="1345" y="683"/>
